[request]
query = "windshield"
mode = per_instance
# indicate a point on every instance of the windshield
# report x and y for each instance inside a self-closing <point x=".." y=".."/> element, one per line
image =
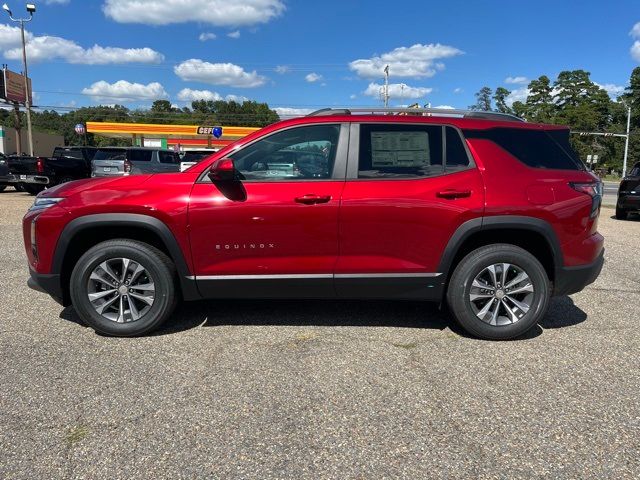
<point x="196" y="156"/>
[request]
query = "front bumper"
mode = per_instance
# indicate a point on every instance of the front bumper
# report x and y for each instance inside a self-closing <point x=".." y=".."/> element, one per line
<point x="47" y="283"/>
<point x="573" y="279"/>
<point x="37" y="179"/>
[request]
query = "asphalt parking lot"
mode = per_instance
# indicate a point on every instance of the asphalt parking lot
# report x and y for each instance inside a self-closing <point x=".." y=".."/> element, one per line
<point x="321" y="389"/>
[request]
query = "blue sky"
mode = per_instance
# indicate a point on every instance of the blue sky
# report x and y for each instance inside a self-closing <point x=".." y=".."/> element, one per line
<point x="306" y="54"/>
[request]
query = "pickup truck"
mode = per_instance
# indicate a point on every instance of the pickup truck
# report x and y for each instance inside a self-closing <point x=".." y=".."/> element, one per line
<point x="34" y="174"/>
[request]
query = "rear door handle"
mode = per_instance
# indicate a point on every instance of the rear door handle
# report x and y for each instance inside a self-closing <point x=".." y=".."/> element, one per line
<point x="312" y="199"/>
<point x="451" y="194"/>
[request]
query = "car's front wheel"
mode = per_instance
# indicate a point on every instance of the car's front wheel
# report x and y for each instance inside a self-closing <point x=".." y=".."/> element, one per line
<point x="498" y="292"/>
<point x="123" y="287"/>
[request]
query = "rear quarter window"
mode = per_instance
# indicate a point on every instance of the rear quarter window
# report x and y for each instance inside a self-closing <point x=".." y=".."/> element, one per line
<point x="547" y="149"/>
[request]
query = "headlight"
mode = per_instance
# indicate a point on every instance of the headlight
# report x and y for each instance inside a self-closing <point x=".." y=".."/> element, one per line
<point x="45" y="202"/>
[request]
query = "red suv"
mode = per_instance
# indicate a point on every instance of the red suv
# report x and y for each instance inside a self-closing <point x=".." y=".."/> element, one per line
<point x="479" y="211"/>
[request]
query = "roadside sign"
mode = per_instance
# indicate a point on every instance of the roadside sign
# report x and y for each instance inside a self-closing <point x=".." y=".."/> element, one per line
<point x="12" y="87"/>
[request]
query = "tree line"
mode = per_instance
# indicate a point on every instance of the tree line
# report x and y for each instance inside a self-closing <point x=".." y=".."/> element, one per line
<point x="201" y="112"/>
<point x="573" y="99"/>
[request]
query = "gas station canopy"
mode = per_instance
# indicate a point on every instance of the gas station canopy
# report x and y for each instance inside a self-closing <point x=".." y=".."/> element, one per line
<point x="165" y="136"/>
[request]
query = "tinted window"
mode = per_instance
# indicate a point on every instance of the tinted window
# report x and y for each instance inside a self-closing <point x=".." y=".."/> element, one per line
<point x="400" y="151"/>
<point x="195" y="156"/>
<point x="110" y="155"/>
<point x="140" y="155"/>
<point x="534" y="148"/>
<point x="295" y="154"/>
<point x="168" y="157"/>
<point x="635" y="171"/>
<point x="457" y="158"/>
<point x="68" y="153"/>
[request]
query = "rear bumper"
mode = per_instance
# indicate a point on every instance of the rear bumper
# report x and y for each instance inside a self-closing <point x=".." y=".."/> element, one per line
<point x="629" y="202"/>
<point x="573" y="279"/>
<point x="46" y="283"/>
<point x="37" y="179"/>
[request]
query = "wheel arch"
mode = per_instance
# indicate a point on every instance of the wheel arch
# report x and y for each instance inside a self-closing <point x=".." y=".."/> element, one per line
<point x="84" y="232"/>
<point x="532" y="234"/>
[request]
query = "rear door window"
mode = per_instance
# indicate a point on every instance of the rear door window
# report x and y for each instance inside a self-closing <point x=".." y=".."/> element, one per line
<point x="548" y="149"/>
<point x="457" y="156"/>
<point x="400" y="151"/>
<point x="168" y="157"/>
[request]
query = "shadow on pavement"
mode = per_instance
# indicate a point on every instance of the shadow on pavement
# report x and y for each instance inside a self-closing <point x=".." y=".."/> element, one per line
<point x="562" y="313"/>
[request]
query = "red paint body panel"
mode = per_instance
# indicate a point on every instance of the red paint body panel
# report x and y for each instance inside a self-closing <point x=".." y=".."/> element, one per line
<point x="401" y="225"/>
<point x="264" y="230"/>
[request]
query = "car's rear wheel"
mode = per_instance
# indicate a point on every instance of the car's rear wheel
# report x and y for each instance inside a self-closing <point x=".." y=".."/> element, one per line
<point x="621" y="213"/>
<point x="123" y="288"/>
<point x="498" y="292"/>
<point x="2" y="187"/>
<point x="19" y="187"/>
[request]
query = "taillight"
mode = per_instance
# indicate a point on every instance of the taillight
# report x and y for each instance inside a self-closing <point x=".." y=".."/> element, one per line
<point x="127" y="166"/>
<point x="34" y="244"/>
<point x="594" y="190"/>
<point x="39" y="165"/>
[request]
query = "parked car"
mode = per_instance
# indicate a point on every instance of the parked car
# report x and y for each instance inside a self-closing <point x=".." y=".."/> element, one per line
<point x="629" y="194"/>
<point x="4" y="172"/>
<point x="482" y="212"/>
<point x="191" y="157"/>
<point x="112" y="161"/>
<point x="34" y="174"/>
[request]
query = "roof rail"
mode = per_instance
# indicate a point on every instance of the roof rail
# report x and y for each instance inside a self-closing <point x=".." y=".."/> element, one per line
<point x="330" y="111"/>
<point x="435" y="112"/>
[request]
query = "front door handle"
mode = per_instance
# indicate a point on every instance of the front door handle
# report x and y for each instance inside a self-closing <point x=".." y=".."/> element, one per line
<point x="451" y="194"/>
<point x="312" y="199"/>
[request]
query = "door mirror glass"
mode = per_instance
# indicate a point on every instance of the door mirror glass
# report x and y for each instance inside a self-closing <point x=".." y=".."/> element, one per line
<point x="223" y="170"/>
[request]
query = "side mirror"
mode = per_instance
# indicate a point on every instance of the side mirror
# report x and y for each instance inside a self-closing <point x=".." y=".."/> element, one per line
<point x="223" y="171"/>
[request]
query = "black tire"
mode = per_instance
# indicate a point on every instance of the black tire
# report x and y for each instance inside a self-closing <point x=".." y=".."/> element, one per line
<point x="161" y="272"/>
<point x="2" y="187"/>
<point x="474" y="264"/>
<point x="65" y="180"/>
<point x="33" y="188"/>
<point x="621" y="213"/>
<point x="19" y="187"/>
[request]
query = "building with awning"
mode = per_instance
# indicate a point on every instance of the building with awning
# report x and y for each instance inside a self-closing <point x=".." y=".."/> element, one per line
<point x="169" y="136"/>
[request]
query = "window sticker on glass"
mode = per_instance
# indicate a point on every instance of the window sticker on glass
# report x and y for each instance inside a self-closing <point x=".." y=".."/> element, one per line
<point x="400" y="149"/>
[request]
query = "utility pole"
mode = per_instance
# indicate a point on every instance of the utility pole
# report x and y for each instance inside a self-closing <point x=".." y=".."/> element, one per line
<point x="18" y="128"/>
<point x="386" y="86"/>
<point x="31" y="8"/>
<point x="626" y="144"/>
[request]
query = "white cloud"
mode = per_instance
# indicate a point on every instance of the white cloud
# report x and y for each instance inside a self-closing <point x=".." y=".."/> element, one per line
<point x="56" y="2"/>
<point x="612" y="89"/>
<point x="445" y="107"/>
<point x="635" y="51"/>
<point x="125" y="91"/>
<point x="189" y="95"/>
<point x="397" y="90"/>
<point x="282" y="69"/>
<point x="49" y="48"/>
<point x="235" y="34"/>
<point x="517" y="95"/>
<point x="635" y="31"/>
<point x="416" y="61"/>
<point x="222" y="13"/>
<point x="353" y="96"/>
<point x="207" y="36"/>
<point x="196" y="70"/>
<point x="516" y="80"/>
<point x="458" y="90"/>
<point x="313" y="77"/>
<point x="287" y="112"/>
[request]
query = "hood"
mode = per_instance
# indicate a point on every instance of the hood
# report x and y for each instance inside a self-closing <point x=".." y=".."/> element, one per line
<point x="71" y="188"/>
